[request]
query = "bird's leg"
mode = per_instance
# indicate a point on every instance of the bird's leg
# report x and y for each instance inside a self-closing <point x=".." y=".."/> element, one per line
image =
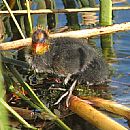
<point x="66" y="80"/>
<point x="64" y="83"/>
<point x="64" y="95"/>
<point x="69" y="93"/>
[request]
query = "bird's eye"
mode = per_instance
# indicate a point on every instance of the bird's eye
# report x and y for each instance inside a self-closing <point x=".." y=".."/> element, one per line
<point x="39" y="36"/>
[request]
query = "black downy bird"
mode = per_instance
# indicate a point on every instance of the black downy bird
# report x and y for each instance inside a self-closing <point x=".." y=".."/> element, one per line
<point x="71" y="58"/>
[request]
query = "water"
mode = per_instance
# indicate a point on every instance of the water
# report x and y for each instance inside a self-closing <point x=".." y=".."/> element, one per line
<point x="122" y="50"/>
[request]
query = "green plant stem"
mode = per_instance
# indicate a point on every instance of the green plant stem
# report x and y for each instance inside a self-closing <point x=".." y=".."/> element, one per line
<point x="3" y="112"/>
<point x="12" y="89"/>
<point x="105" y="20"/>
<point x="14" y="19"/>
<point x="29" y="15"/>
<point x="105" y="12"/>
<point x="37" y="100"/>
<point x="16" y="114"/>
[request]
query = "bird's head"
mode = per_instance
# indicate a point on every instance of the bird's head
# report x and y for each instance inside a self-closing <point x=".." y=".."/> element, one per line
<point x="40" y="43"/>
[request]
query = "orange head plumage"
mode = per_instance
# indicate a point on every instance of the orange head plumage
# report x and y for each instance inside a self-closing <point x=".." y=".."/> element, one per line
<point x="40" y="42"/>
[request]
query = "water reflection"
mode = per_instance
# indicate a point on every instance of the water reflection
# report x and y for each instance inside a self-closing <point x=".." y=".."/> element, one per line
<point x="89" y="19"/>
<point x="119" y="1"/>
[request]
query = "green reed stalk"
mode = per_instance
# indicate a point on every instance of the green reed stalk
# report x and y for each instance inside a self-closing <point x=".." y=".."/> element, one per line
<point x="3" y="113"/>
<point x="29" y="16"/>
<point x="105" y="20"/>
<point x="16" y="115"/>
<point x="37" y="100"/>
<point x="14" y="19"/>
<point x="105" y="12"/>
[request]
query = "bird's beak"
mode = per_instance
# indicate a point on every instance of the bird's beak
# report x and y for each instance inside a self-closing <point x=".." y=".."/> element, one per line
<point x="40" y="48"/>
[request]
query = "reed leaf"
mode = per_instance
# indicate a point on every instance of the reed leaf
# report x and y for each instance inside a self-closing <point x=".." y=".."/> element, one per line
<point x="16" y="115"/>
<point x="36" y="99"/>
<point x="3" y="113"/>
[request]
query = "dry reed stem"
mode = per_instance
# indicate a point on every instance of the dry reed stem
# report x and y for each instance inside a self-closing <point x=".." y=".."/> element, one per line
<point x="110" y="106"/>
<point x="46" y="11"/>
<point x="75" y="34"/>
<point x="87" y="112"/>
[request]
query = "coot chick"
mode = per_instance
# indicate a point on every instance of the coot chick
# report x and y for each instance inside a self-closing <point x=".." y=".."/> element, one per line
<point x="67" y="57"/>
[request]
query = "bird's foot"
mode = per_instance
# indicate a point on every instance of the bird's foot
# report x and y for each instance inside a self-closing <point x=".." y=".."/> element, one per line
<point x="69" y="93"/>
<point x="66" y="80"/>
